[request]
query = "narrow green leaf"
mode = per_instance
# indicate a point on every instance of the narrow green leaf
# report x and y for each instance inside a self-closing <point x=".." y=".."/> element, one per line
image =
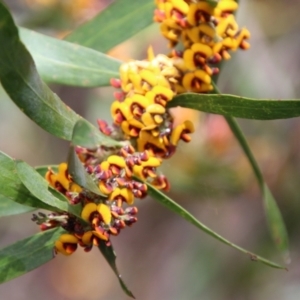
<point x="40" y="188"/>
<point x="118" y="22"/>
<point x="66" y="63"/>
<point x="274" y="218"/>
<point x="171" y="205"/>
<point x="86" y="135"/>
<point x="79" y="174"/>
<point x="22" y="83"/>
<point x="12" y="188"/>
<point x="28" y="254"/>
<point x="109" y="254"/>
<point x="9" y="207"/>
<point x="275" y="221"/>
<point x="239" y="107"/>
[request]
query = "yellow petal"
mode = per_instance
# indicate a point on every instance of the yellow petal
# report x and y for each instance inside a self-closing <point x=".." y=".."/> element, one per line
<point x="136" y="80"/>
<point x="188" y="57"/>
<point x="146" y="138"/>
<point x="115" y="193"/>
<point x="104" y="211"/>
<point x="195" y="9"/>
<point x="164" y="92"/>
<point x="104" y="188"/>
<point x="87" y="238"/>
<point x="149" y="77"/>
<point x="117" y="160"/>
<point x="129" y="130"/>
<point x="68" y="238"/>
<point x="59" y="247"/>
<point x="50" y="176"/>
<point x="75" y="188"/>
<point x="138" y="171"/>
<point x="227" y="6"/>
<point x="148" y="121"/>
<point x="150" y="53"/>
<point x="155" y="109"/>
<point x="62" y="176"/>
<point x="180" y="5"/>
<point x="142" y="101"/>
<point x="158" y="119"/>
<point x="100" y="234"/>
<point x="187" y="126"/>
<point x="127" y="195"/>
<point x="203" y="49"/>
<point x="105" y="166"/>
<point x="152" y="162"/>
<point x="88" y="209"/>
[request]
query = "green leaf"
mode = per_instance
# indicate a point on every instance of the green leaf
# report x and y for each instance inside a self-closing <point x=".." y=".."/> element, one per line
<point x="28" y="254"/>
<point x="274" y="218"/>
<point x="40" y="188"/>
<point x="66" y="63"/>
<point x="86" y="135"/>
<point x="9" y="207"/>
<point x="276" y="223"/>
<point x="79" y="174"/>
<point x="21" y="81"/>
<point x="239" y="107"/>
<point x="109" y="254"/>
<point x="12" y="188"/>
<point x="118" y="22"/>
<point x="171" y="205"/>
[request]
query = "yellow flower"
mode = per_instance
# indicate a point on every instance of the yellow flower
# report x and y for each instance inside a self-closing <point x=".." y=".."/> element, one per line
<point x="172" y="34"/>
<point x="66" y="244"/>
<point x="204" y="33"/>
<point x="225" y="7"/>
<point x="161" y="183"/>
<point x="101" y="234"/>
<point x="198" y="81"/>
<point x="197" y="56"/>
<point x="147" y="168"/>
<point x="160" y="95"/>
<point x="181" y="132"/>
<point x="105" y="188"/>
<point x="62" y="179"/>
<point x="88" y="211"/>
<point x="146" y="141"/>
<point x="199" y="12"/>
<point x="123" y="194"/>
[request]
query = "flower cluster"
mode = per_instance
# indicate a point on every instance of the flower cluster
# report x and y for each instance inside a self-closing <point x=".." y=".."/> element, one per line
<point x="143" y="122"/>
<point x="140" y="109"/>
<point x="111" y="210"/>
<point x="207" y="34"/>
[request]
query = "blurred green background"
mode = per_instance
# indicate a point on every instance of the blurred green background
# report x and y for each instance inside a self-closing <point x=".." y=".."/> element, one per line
<point x="162" y="256"/>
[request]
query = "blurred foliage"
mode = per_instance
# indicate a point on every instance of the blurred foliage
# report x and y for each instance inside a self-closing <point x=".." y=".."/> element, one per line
<point x="171" y="260"/>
